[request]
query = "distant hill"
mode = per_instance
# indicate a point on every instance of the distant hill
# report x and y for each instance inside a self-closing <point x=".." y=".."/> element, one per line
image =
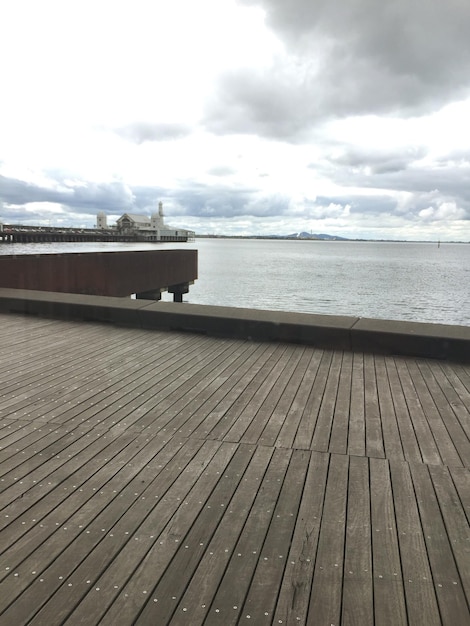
<point x="302" y="235"/>
<point x="322" y="236"/>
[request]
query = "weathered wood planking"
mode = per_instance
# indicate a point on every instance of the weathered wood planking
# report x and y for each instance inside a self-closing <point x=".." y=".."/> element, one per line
<point x="453" y="606"/>
<point x="416" y="570"/>
<point x="358" y="591"/>
<point x="389" y="593"/>
<point x="327" y="584"/>
<point x="150" y="477"/>
<point x="357" y="416"/>
<point x="444" y="427"/>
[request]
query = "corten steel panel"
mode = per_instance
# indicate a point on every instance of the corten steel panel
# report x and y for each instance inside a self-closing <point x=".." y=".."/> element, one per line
<point x="99" y="273"/>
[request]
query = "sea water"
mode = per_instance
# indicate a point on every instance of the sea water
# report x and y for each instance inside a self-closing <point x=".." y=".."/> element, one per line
<point x="389" y="280"/>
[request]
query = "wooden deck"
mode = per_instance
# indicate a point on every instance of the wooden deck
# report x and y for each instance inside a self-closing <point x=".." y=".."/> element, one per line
<point x="169" y="478"/>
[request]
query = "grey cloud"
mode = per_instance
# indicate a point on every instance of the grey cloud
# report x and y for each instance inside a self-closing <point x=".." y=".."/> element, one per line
<point x="435" y="205"/>
<point x="400" y="175"/>
<point x="190" y="199"/>
<point x="426" y="40"/>
<point x="416" y="207"/>
<point x="348" y="58"/>
<point x="275" y="104"/>
<point x="376" y="161"/>
<point x="450" y="198"/>
<point x="225" y="202"/>
<point x="88" y="198"/>
<point x="221" y="170"/>
<point x="455" y="158"/>
<point x="360" y="204"/>
<point x="140" y="132"/>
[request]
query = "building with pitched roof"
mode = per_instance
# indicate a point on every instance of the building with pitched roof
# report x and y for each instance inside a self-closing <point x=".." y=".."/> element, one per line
<point x="151" y="228"/>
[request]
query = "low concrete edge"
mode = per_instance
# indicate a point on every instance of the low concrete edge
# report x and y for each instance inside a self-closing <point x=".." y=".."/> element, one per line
<point x="437" y="341"/>
<point x="325" y="331"/>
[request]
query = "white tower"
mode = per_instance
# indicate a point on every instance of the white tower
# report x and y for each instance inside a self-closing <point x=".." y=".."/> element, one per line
<point x="101" y="221"/>
<point x="157" y="218"/>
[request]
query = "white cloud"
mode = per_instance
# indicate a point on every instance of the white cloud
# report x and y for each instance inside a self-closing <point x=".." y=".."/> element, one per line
<point x="445" y="211"/>
<point x="256" y="116"/>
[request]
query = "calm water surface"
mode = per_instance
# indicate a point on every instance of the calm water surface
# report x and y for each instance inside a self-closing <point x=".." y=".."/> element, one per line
<point x="403" y="281"/>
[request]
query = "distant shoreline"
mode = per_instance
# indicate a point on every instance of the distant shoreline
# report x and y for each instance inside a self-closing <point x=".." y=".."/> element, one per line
<point x="326" y="240"/>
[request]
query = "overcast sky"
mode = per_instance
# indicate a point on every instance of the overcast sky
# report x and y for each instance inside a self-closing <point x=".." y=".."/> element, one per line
<point x="241" y="116"/>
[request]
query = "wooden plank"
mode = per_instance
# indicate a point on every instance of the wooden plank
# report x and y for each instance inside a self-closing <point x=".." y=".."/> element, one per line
<point x="424" y="436"/>
<point x="327" y="587"/>
<point x="458" y="378"/>
<point x="180" y="390"/>
<point x="454" y="447"/>
<point x="166" y="567"/>
<point x="202" y="587"/>
<point x="27" y="354"/>
<point x="89" y="479"/>
<point x="239" y="416"/>
<point x="390" y="432"/>
<point x="53" y="361"/>
<point x="165" y="596"/>
<point x="16" y="435"/>
<point x="462" y="484"/>
<point x="46" y="539"/>
<point x="138" y="377"/>
<point x="150" y="377"/>
<point x="243" y="396"/>
<point x="23" y="349"/>
<point x="18" y="325"/>
<point x="294" y="595"/>
<point x="21" y="328"/>
<point x="22" y="514"/>
<point x="269" y="419"/>
<point x="101" y="541"/>
<point x="358" y="591"/>
<point x="264" y="399"/>
<point x="455" y="521"/>
<point x="411" y="450"/>
<point x="286" y="436"/>
<point x="264" y="588"/>
<point x="113" y="405"/>
<point x="43" y="441"/>
<point x="234" y="584"/>
<point x="450" y="595"/>
<point x="357" y="419"/>
<point x="51" y="388"/>
<point x="452" y="411"/>
<point x="389" y="594"/>
<point x="199" y="419"/>
<point x="340" y="426"/>
<point x="421" y="602"/>
<point x="44" y="461"/>
<point x="211" y="392"/>
<point x="307" y="425"/>
<point x="123" y="459"/>
<point x="461" y="375"/>
<point x="374" y="436"/>
<point x="322" y="433"/>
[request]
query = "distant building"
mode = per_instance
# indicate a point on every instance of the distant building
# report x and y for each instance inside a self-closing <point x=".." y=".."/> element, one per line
<point x="131" y="221"/>
<point x="102" y="221"/>
<point x="151" y="228"/>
